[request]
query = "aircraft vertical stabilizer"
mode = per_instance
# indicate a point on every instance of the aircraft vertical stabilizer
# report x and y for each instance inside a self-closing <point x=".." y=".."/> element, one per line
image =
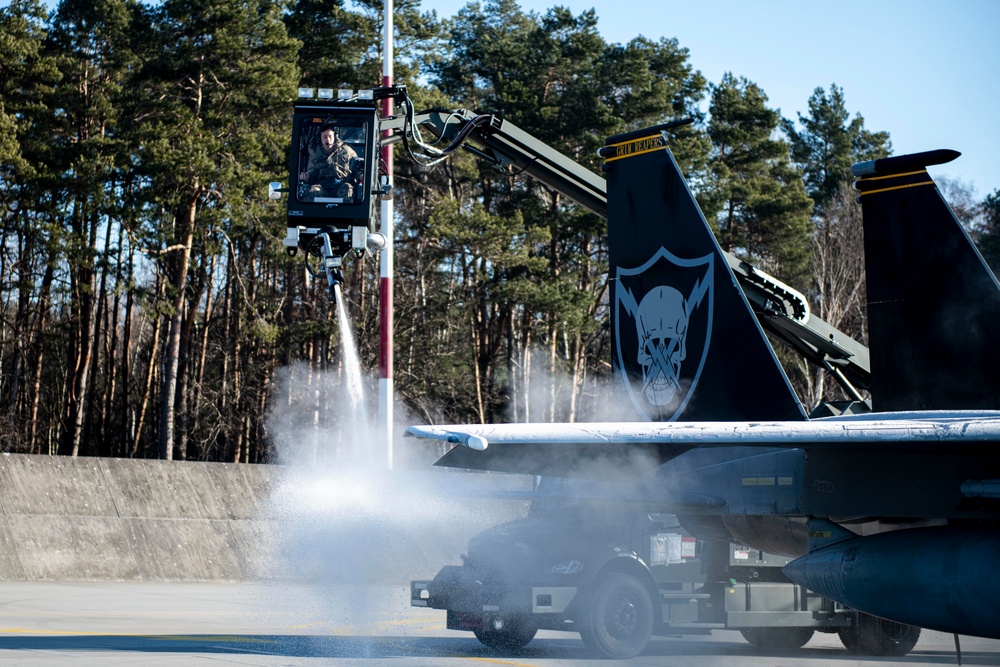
<point x="933" y="303"/>
<point x="685" y="342"/>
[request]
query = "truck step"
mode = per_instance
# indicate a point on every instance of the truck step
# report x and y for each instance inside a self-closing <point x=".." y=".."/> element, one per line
<point x="669" y="595"/>
<point x="703" y="626"/>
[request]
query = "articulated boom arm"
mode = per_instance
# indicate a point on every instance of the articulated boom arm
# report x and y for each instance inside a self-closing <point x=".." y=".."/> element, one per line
<point x="504" y="144"/>
<point x="781" y="310"/>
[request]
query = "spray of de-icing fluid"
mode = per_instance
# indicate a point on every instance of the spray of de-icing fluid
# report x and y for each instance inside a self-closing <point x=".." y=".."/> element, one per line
<point x="352" y="362"/>
<point x="347" y="529"/>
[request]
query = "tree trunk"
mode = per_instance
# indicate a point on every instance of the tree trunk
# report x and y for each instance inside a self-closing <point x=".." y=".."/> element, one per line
<point x="237" y="404"/>
<point x="83" y="287"/>
<point x="22" y="333"/>
<point x="34" y="444"/>
<point x="180" y="258"/>
<point x="579" y="370"/>
<point x="117" y="422"/>
<point x="476" y="365"/>
<point x="512" y="370"/>
<point x="183" y="385"/>
<point x="154" y="349"/>
<point x="224" y="392"/>
<point x="553" y="370"/>
<point x="95" y="425"/>
<point x="127" y="413"/>
<point x="526" y="364"/>
<point x="199" y="377"/>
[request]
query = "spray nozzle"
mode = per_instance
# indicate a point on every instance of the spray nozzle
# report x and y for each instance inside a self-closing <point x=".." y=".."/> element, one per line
<point x="328" y="246"/>
<point x="335" y="278"/>
<point x="332" y="262"/>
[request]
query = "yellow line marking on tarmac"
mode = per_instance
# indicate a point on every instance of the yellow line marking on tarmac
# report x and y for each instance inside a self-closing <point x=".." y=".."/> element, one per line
<point x="28" y="631"/>
<point x="501" y="662"/>
<point x="215" y="638"/>
<point x="175" y="638"/>
<point x="225" y="638"/>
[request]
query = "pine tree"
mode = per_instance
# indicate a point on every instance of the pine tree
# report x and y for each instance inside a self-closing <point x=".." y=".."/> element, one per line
<point x="758" y="203"/>
<point x="27" y="74"/>
<point x="29" y="238"/>
<point x="830" y="142"/>
<point x="92" y="44"/>
<point x="220" y="79"/>
<point x="342" y="45"/>
<point x="555" y="77"/>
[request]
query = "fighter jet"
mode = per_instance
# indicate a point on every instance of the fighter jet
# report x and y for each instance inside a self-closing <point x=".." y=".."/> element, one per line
<point x="894" y="513"/>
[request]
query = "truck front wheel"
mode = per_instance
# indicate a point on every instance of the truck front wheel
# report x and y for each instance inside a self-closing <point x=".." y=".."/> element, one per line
<point x="777" y="639"/>
<point x="877" y="636"/>
<point x="619" y="620"/>
<point x="514" y="635"/>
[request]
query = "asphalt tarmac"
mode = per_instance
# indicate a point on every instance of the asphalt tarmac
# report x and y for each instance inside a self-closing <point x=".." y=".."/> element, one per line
<point x="92" y="624"/>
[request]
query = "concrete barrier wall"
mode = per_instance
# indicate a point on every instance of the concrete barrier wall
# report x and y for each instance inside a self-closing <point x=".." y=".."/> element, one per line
<point x="127" y="520"/>
<point x="86" y="519"/>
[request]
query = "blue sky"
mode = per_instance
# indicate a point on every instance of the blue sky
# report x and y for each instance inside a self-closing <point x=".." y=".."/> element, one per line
<point x="926" y="71"/>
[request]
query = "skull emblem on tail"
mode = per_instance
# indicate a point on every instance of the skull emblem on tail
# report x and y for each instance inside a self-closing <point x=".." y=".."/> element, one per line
<point x="661" y="326"/>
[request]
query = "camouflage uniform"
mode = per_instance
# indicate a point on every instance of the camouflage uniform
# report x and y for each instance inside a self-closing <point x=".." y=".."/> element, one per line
<point x="329" y="171"/>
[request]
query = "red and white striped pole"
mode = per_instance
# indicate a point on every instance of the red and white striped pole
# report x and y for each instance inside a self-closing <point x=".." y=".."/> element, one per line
<point x="385" y="388"/>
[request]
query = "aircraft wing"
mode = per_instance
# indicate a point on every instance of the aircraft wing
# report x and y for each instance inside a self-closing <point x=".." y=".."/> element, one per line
<point x="611" y="451"/>
<point x="622" y="450"/>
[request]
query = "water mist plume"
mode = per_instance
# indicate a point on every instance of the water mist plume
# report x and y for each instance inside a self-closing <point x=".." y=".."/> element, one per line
<point x="342" y="522"/>
<point x="351" y="360"/>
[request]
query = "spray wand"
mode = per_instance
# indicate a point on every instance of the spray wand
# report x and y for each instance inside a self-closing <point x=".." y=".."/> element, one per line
<point x="332" y="263"/>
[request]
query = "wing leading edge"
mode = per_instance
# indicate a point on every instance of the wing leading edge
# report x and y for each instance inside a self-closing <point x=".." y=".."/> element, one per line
<point x="630" y="449"/>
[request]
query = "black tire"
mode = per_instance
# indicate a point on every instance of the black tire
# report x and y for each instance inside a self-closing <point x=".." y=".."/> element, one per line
<point x="618" y="621"/>
<point x="877" y="636"/>
<point x="588" y="641"/>
<point x="515" y="635"/>
<point x="777" y="639"/>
